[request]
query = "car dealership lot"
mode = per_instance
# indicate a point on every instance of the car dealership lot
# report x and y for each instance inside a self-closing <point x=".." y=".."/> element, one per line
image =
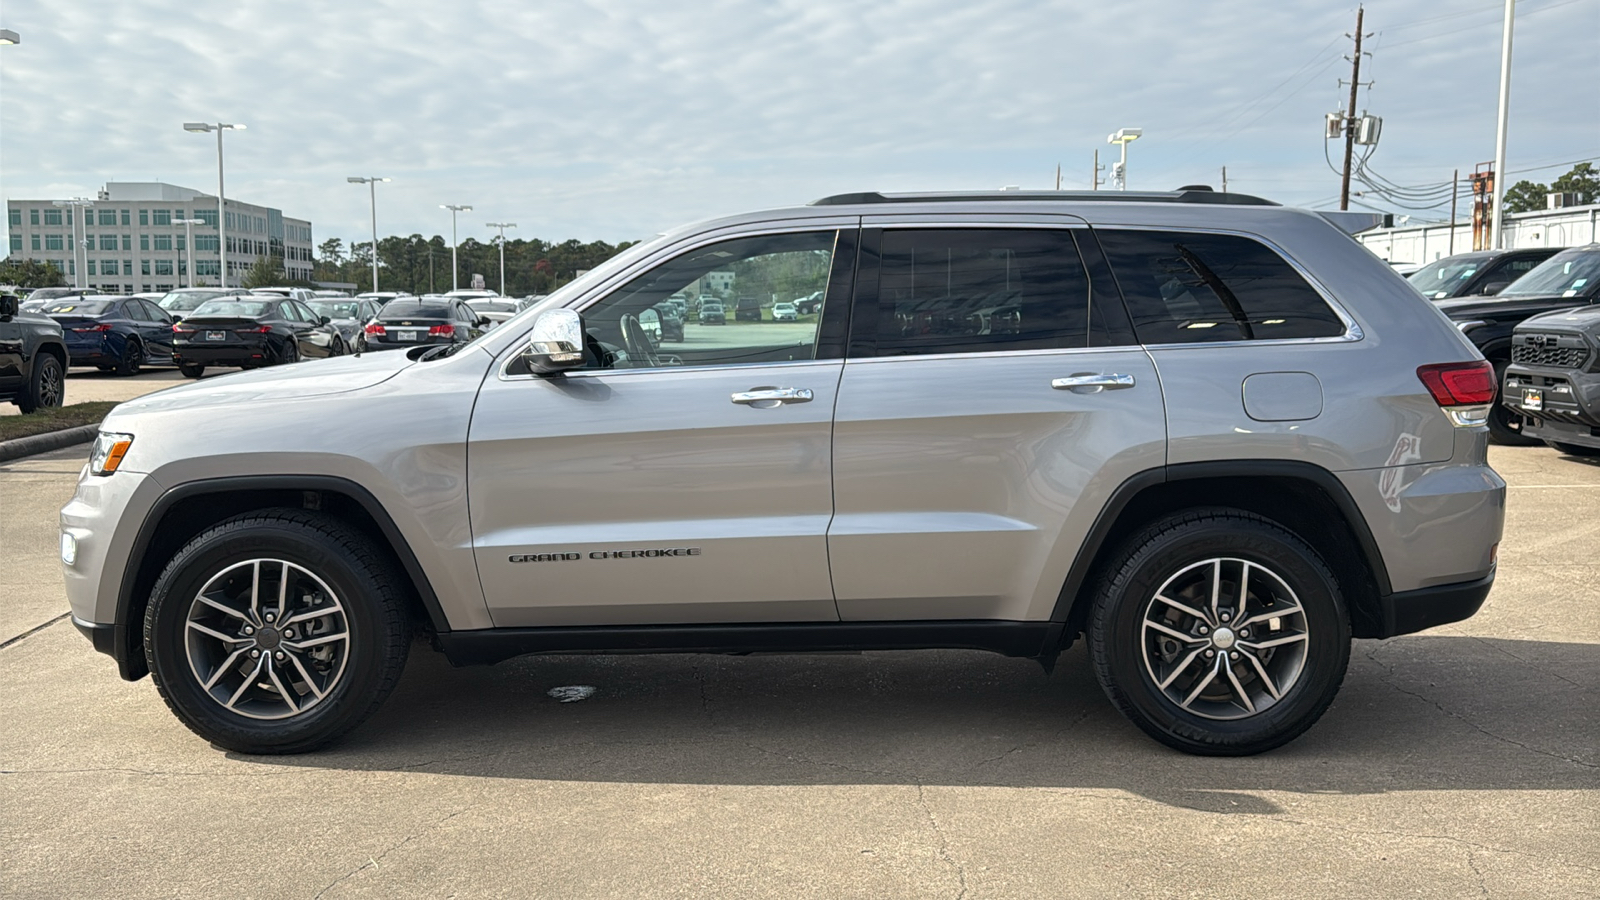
<point x="1460" y="761"/>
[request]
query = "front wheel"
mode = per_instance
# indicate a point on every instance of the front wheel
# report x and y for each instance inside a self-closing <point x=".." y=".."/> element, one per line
<point x="276" y="631"/>
<point x="1219" y="633"/>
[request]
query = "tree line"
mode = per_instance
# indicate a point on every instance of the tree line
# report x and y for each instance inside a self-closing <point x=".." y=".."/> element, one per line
<point x="421" y="266"/>
<point x="1528" y="196"/>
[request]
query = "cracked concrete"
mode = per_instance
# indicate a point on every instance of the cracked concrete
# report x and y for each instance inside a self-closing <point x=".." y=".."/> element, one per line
<point x="1460" y="762"/>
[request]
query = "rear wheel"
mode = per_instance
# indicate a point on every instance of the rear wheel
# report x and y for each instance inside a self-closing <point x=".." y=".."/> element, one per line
<point x="46" y="386"/>
<point x="1505" y="426"/>
<point x="290" y="352"/>
<point x="276" y="632"/>
<point x="132" y="358"/>
<point x="191" y="370"/>
<point x="1574" y="449"/>
<point x="1219" y="633"/>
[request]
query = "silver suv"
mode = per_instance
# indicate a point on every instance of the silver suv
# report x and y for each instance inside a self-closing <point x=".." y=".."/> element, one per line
<point x="1210" y="434"/>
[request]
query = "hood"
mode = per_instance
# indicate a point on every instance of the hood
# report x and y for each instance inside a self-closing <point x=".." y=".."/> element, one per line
<point x="1501" y="307"/>
<point x="310" y="378"/>
<point x="1584" y="319"/>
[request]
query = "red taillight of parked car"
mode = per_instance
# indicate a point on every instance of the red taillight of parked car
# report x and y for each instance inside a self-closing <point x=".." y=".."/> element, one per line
<point x="92" y="328"/>
<point x="374" y="328"/>
<point x="442" y="330"/>
<point x="180" y="328"/>
<point x="259" y="329"/>
<point x="1459" y="384"/>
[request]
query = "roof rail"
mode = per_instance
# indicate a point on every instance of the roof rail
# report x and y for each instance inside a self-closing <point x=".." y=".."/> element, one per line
<point x="1187" y="195"/>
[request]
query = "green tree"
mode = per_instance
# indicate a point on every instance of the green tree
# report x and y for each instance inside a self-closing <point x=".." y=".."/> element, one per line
<point x="1583" y="180"/>
<point x="1525" y="196"/>
<point x="30" y="273"/>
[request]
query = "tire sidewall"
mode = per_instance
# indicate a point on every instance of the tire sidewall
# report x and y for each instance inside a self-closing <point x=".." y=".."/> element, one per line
<point x="1121" y="613"/>
<point x="169" y="664"/>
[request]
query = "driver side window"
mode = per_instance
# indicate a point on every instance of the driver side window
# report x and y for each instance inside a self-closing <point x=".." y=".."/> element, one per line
<point x="713" y="306"/>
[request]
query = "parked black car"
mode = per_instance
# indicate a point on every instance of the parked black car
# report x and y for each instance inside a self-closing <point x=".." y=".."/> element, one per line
<point x="747" y="308"/>
<point x="186" y="300"/>
<point x="1570" y="278"/>
<point x="1480" y="273"/>
<point x="251" y="331"/>
<point x="413" y="321"/>
<point x="113" y="333"/>
<point x="33" y="358"/>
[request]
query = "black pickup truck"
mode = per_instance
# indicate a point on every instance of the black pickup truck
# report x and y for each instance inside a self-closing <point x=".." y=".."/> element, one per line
<point x="1568" y="279"/>
<point x="33" y="358"/>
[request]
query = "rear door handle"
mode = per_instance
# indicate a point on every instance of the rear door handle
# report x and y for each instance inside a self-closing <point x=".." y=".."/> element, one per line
<point x="768" y="397"/>
<point x="1090" y="383"/>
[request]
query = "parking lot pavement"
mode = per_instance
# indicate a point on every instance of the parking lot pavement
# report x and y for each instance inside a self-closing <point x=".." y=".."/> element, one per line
<point x="85" y="385"/>
<point x="1464" y="761"/>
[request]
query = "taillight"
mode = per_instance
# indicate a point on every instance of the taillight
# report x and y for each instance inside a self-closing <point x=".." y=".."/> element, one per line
<point x="92" y="328"/>
<point x="444" y="330"/>
<point x="374" y="328"/>
<point x="260" y="329"/>
<point x="180" y="328"/>
<point x="1465" y="390"/>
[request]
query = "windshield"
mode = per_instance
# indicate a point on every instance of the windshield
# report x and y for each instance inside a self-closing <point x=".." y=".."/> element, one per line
<point x="335" y="309"/>
<point x="78" y="307"/>
<point x="183" y="301"/>
<point x="231" y="308"/>
<point x="1568" y="273"/>
<point x="1446" y="276"/>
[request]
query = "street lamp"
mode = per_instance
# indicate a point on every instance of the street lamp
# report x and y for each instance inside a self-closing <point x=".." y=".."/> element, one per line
<point x="1124" y="137"/>
<point x="455" y="270"/>
<point x="372" y="188"/>
<point x="7" y="36"/>
<point x="502" y="226"/>
<point x="222" y="217"/>
<point x="188" y="230"/>
<point x="82" y="203"/>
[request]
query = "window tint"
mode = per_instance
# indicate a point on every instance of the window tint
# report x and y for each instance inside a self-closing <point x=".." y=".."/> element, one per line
<point x="1182" y="287"/>
<point x="960" y="291"/>
<point x="625" y="330"/>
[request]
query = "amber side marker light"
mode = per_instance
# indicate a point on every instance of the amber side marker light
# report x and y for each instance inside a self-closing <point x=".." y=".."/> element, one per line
<point x="109" y="449"/>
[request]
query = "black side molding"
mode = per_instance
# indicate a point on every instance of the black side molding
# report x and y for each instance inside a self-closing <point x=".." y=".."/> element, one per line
<point x="1411" y="611"/>
<point x="1021" y="639"/>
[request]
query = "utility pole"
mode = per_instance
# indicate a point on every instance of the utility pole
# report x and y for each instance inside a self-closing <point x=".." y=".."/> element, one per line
<point x="1455" y="187"/>
<point x="1500" y="128"/>
<point x="1058" y="176"/>
<point x="1224" y="179"/>
<point x="1094" y="180"/>
<point x="1350" y="114"/>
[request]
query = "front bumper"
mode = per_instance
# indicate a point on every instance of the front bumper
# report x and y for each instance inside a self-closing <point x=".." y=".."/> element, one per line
<point x="103" y="519"/>
<point x="1560" y="405"/>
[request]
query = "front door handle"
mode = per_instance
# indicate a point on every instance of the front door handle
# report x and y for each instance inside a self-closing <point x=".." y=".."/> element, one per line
<point x="1090" y="383"/>
<point x="768" y="397"/>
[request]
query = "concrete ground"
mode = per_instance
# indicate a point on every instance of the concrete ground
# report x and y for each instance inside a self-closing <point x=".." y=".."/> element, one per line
<point x="1461" y="762"/>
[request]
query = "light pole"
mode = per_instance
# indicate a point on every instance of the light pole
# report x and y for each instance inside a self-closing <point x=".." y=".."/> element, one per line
<point x="222" y="216"/>
<point x="1124" y="137"/>
<point x="455" y="270"/>
<point x="7" y="37"/>
<point x="502" y="226"/>
<point x="188" y="230"/>
<point x="1500" y="181"/>
<point x="372" y="188"/>
<point x="81" y="203"/>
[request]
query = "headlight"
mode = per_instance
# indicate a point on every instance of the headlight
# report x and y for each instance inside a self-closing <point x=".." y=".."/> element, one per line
<point x="109" y="449"/>
<point x="1470" y="324"/>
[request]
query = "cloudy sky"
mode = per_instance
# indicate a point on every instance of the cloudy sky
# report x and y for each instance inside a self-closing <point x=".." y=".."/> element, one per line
<point x="615" y="119"/>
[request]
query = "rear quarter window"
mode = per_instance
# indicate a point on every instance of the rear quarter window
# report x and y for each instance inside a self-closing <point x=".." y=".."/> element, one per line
<point x="1186" y="287"/>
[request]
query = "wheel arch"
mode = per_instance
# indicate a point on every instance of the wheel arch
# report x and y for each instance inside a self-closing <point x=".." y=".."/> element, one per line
<point x="1304" y="498"/>
<point x="188" y="509"/>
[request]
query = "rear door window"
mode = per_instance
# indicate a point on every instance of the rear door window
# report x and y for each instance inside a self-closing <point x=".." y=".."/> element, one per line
<point x="1185" y="287"/>
<point x="977" y="290"/>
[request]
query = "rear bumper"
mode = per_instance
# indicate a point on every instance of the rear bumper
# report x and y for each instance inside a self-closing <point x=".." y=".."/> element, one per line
<point x="1411" y="611"/>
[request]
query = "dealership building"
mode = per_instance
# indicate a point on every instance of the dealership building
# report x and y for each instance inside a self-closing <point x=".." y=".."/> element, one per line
<point x="124" y="240"/>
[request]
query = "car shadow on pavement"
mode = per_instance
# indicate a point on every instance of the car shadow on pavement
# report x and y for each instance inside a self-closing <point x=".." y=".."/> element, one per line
<point x="1417" y="713"/>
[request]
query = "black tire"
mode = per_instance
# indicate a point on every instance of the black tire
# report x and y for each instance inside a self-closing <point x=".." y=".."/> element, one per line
<point x="1505" y="426"/>
<point x="47" y="386"/>
<point x="290" y="353"/>
<point x="191" y="370"/>
<point x="338" y="347"/>
<point x="1157" y="558"/>
<point x="130" y="361"/>
<point x="1574" y="449"/>
<point x="372" y="617"/>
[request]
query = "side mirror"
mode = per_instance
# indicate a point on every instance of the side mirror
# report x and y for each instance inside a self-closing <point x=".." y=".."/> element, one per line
<point x="556" y="342"/>
<point x="1493" y="287"/>
<point x="8" y="306"/>
<point x="324" y="320"/>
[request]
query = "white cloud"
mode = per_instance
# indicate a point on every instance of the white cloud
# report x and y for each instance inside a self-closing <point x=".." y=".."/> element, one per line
<point x="616" y="119"/>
